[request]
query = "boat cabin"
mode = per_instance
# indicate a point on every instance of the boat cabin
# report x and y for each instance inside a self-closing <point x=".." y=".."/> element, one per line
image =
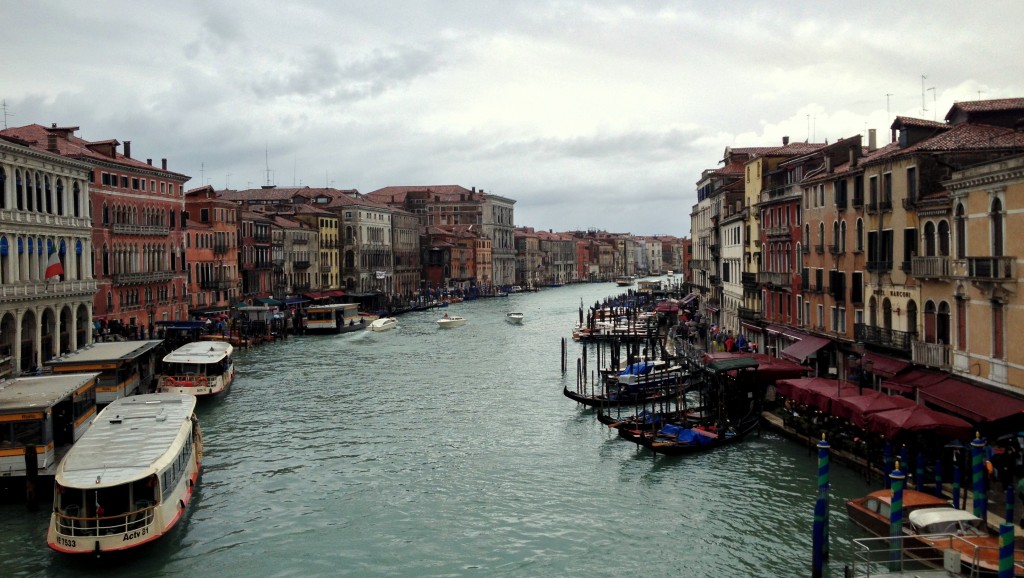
<point x="125" y="367"/>
<point x="49" y="412"/>
<point x="207" y="361"/>
<point x="336" y="318"/>
<point x="946" y="520"/>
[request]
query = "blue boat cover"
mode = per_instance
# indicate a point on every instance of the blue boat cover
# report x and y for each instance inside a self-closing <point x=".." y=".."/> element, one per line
<point x="685" y="435"/>
<point x="638" y="368"/>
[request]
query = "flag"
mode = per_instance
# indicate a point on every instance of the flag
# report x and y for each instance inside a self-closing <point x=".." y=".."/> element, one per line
<point x="54" y="268"/>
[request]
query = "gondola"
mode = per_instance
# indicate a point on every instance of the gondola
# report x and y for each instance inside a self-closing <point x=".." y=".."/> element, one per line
<point x="622" y="397"/>
<point x="678" y="441"/>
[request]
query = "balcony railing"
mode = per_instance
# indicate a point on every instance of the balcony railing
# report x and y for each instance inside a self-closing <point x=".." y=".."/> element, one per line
<point x="18" y="291"/>
<point x="930" y="267"/>
<point x="141" y="278"/>
<point x="834" y="249"/>
<point x="125" y="229"/>
<point x="715" y="280"/>
<point x="857" y="201"/>
<point x="776" y="231"/>
<point x="216" y="285"/>
<point x="819" y="249"/>
<point x="325" y="268"/>
<point x="749" y="314"/>
<point x="301" y="264"/>
<point x="890" y="338"/>
<point x="879" y="266"/>
<point x="780" y="279"/>
<point x="748" y="279"/>
<point x="885" y="205"/>
<point x="220" y="248"/>
<point x="300" y="241"/>
<point x="991" y="268"/>
<point x="931" y="354"/>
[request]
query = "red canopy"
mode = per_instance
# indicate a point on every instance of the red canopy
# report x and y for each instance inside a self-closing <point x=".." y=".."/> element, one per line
<point x="770" y="369"/>
<point x="858" y="407"/>
<point x="917" y="418"/>
<point x="971" y="401"/>
<point x="816" y="392"/>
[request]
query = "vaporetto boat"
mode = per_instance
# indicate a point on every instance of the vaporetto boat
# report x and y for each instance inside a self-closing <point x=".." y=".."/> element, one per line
<point x="200" y="368"/>
<point x="130" y="478"/>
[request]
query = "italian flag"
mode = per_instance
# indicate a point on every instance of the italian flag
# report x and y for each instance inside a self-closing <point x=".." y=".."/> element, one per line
<point x="54" y="268"/>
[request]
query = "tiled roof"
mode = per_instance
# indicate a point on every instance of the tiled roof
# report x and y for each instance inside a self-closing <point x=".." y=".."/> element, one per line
<point x="909" y="121"/>
<point x="71" y="146"/>
<point x="993" y="105"/>
<point x="792" y="149"/>
<point x="968" y="137"/>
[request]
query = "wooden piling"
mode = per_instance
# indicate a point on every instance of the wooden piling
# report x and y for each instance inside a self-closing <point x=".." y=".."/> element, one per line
<point x="31" y="477"/>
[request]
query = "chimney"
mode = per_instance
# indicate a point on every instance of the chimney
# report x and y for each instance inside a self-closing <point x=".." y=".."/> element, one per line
<point x="51" y="142"/>
<point x="828" y="163"/>
<point x="128" y="148"/>
<point x="853" y="157"/>
<point x="163" y="164"/>
<point x="149" y="162"/>
<point x="872" y="142"/>
<point x="785" y="140"/>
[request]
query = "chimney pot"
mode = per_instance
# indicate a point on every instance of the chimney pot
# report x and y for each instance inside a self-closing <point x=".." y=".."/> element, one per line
<point x="785" y="140"/>
<point x="149" y="162"/>
<point x="128" y="148"/>
<point x="53" y="125"/>
<point x="163" y="164"/>
<point x="872" y="143"/>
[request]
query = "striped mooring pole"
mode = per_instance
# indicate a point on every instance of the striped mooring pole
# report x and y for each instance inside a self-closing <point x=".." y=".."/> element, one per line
<point x="819" y="547"/>
<point x="1006" y="550"/>
<point x="896" y="517"/>
<point x="978" y="477"/>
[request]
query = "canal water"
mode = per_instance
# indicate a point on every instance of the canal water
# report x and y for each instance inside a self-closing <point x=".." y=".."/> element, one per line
<point x="452" y="452"/>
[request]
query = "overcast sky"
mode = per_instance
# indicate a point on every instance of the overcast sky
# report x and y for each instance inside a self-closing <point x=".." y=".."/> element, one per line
<point x="588" y="114"/>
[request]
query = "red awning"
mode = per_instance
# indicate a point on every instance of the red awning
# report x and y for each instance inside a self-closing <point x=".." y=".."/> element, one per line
<point x="917" y="418"/>
<point x="884" y="365"/>
<point x="817" y="392"/>
<point x="336" y="293"/>
<point x="971" y="402"/>
<point x="804" y="348"/>
<point x="856" y="408"/>
<point x="914" y="379"/>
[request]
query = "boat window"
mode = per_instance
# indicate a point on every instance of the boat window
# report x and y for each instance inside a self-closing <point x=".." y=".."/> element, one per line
<point x="871" y="505"/>
<point x="84" y="403"/>
<point x="883" y="509"/>
<point x="18" y="434"/>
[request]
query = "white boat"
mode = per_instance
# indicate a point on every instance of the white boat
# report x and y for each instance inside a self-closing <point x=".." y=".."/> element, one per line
<point x="625" y="281"/>
<point x="449" y="321"/>
<point x="514" y="318"/>
<point x="383" y="324"/>
<point x="200" y="368"/>
<point x="337" y="318"/>
<point x="130" y="478"/>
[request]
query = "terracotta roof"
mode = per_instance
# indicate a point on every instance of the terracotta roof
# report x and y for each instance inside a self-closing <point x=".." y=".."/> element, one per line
<point x="909" y="121"/>
<point x="38" y="137"/>
<point x="449" y="193"/>
<point x="967" y="137"/>
<point x="993" y="105"/>
<point x="792" y="149"/>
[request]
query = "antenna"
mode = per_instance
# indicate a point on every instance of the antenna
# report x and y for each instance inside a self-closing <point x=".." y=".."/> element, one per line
<point x="923" y="107"/>
<point x="7" y="114"/>
<point x="202" y="173"/>
<point x="979" y="98"/>
<point x="935" y="111"/>
<point x="808" y="128"/>
<point x="266" y="157"/>
<point x="887" y="113"/>
<point x="227" y="182"/>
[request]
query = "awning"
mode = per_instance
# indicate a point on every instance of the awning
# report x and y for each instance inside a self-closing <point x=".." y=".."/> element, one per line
<point x="775" y="329"/>
<point x="971" y="402"/>
<point x="269" y="301"/>
<point x="914" y="378"/>
<point x="750" y="327"/>
<point x="336" y="293"/>
<point x="295" y="300"/>
<point x="689" y="299"/>
<point x="884" y="365"/>
<point x="804" y="348"/>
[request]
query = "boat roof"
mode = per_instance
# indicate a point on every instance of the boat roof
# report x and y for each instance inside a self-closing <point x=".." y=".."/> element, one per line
<point x="35" y="393"/>
<point x="928" y="516"/>
<point x="106" y="352"/>
<point x="911" y="498"/>
<point x="129" y="440"/>
<point x="334" y="306"/>
<point x="200" y="352"/>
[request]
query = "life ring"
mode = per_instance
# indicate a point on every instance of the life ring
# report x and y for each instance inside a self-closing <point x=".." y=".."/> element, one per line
<point x="170" y="382"/>
<point x="201" y="381"/>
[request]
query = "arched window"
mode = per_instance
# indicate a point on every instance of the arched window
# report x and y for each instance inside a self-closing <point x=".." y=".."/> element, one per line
<point x="886" y="314"/>
<point x="929" y="321"/>
<point x="842" y="237"/>
<point x="996" y="218"/>
<point x="821" y="235"/>
<point x="961" y="232"/>
<point x="807" y="234"/>
<point x="835" y="233"/>
<point x="942" y="324"/>
<point x="943" y="238"/>
<point x="912" y="317"/>
<point x="859" y="241"/>
<point x="929" y="239"/>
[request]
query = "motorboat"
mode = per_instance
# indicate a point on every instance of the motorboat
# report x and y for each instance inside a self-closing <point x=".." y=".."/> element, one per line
<point x="624" y="281"/>
<point x="130" y="478"/>
<point x="450" y="321"/>
<point x="515" y="318"/>
<point x="871" y="512"/>
<point x="946" y="528"/>
<point x="200" y="368"/>
<point x="383" y="324"/>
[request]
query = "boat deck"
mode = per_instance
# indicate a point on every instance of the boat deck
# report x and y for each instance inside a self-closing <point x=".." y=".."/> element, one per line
<point x="879" y="558"/>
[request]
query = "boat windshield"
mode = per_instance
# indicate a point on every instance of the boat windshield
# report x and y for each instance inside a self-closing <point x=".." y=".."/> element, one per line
<point x="115" y="509"/>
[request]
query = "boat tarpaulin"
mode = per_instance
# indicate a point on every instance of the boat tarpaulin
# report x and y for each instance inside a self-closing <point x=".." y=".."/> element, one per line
<point x="972" y="402"/>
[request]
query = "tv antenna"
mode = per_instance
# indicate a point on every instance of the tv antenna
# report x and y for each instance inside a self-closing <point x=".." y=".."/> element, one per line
<point x="923" y="107"/>
<point x="7" y="114"/>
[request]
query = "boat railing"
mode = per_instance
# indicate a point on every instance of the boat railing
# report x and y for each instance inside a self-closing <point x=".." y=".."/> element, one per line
<point x="69" y="523"/>
<point x="189" y="380"/>
<point x="883" y="556"/>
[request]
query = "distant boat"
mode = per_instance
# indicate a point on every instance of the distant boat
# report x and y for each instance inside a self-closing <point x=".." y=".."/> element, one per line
<point x="200" y="368"/>
<point x="514" y="318"/>
<point x="383" y="324"/>
<point x="623" y="281"/>
<point x="447" y="322"/>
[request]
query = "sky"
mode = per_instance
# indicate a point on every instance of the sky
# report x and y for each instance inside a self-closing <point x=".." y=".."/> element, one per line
<point x="590" y="115"/>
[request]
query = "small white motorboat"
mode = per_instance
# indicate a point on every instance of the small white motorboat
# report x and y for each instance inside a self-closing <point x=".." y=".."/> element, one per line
<point x="383" y="324"/>
<point x="449" y="321"/>
<point x="515" y="318"/>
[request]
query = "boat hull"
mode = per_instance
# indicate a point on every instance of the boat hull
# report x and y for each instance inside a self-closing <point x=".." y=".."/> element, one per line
<point x="674" y="448"/>
<point x="607" y="401"/>
<point x="451" y="322"/>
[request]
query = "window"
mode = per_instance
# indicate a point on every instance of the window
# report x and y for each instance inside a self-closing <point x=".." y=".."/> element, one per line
<point x="835" y="318"/>
<point x="996" y="218"/>
<point x="912" y="183"/>
<point x="859" y="240"/>
<point x="799" y="308"/>
<point x="887" y="189"/>
<point x="821" y="316"/>
<point x="857" y="287"/>
<point x="961" y="232"/>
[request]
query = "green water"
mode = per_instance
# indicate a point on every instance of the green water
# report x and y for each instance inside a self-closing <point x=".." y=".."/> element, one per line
<point x="430" y="452"/>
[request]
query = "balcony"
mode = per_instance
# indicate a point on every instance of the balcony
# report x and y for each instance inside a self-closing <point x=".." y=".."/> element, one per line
<point x="261" y="238"/>
<point x="142" y="278"/>
<point x="19" y="291"/>
<point x="748" y="279"/>
<point x="300" y="241"/>
<point x="909" y="204"/>
<point x="221" y="285"/>
<point x="834" y="249"/>
<point x="778" y="279"/>
<point x="879" y="266"/>
<point x="885" y="205"/>
<point x="300" y="287"/>
<point x="325" y="268"/>
<point x="990" y="268"/>
<point x="857" y="201"/>
<point x="125" y="229"/>
<point x="931" y="354"/>
<point x="220" y="248"/>
<point x="819" y="249"/>
<point x="930" y="267"/>
<point x="889" y="338"/>
<point x="872" y="207"/>
<point x="715" y="280"/>
<point x="782" y="231"/>
<point x="749" y="314"/>
<point x="841" y="201"/>
<point x="301" y="264"/>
